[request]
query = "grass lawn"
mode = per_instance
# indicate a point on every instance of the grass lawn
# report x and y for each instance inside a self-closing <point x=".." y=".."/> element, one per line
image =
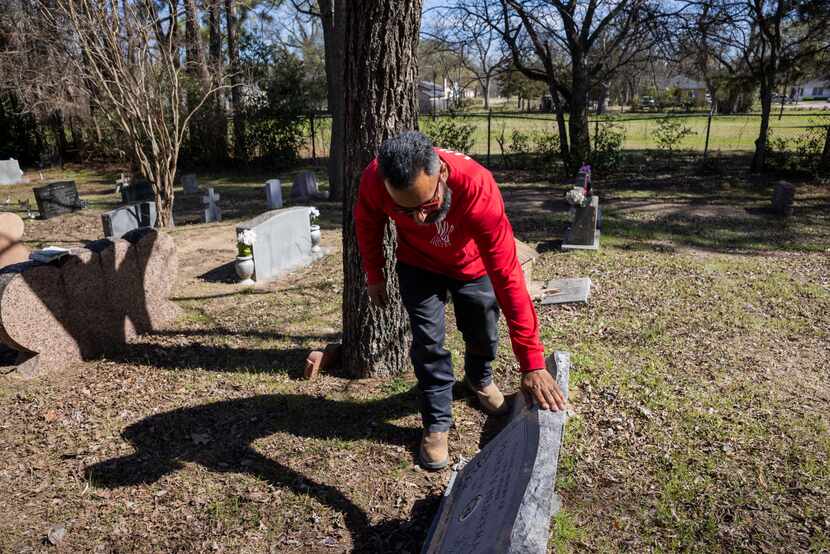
<point x="699" y="390"/>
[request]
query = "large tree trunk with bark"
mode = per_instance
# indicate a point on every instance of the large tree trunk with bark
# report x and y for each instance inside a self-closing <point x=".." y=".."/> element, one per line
<point x="332" y="11"/>
<point x="760" y="156"/>
<point x="380" y="101"/>
<point x="580" y="150"/>
<point x="564" y="144"/>
<point x="216" y="117"/>
<point x="240" y="148"/>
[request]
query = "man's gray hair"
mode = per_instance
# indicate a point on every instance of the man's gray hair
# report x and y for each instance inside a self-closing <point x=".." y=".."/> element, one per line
<point x="403" y="157"/>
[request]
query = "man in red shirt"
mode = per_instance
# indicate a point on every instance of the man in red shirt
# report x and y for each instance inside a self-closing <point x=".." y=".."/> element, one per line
<point x="453" y="239"/>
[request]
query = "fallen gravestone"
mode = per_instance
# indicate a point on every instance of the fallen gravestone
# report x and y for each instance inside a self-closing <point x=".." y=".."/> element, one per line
<point x="120" y="221"/>
<point x="190" y="184"/>
<point x="564" y="291"/>
<point x="10" y="173"/>
<point x="11" y="231"/>
<point x="304" y="188"/>
<point x="584" y="232"/>
<point x="89" y="302"/>
<point x="273" y="194"/>
<point x="782" y="199"/>
<point x="139" y="190"/>
<point x="283" y="242"/>
<point x="57" y="198"/>
<point x="212" y="210"/>
<point x="503" y="499"/>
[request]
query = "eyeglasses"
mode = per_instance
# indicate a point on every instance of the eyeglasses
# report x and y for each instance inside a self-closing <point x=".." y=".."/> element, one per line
<point x="428" y="207"/>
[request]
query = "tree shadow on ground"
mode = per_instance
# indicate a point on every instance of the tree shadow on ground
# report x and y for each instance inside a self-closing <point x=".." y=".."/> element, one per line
<point x="219" y="437"/>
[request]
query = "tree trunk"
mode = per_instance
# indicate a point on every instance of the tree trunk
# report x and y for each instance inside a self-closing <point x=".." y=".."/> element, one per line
<point x="332" y="11"/>
<point x="217" y="118"/>
<point x="578" y="122"/>
<point x="380" y="72"/>
<point x="825" y="154"/>
<point x="487" y="93"/>
<point x="196" y="61"/>
<point x="760" y="156"/>
<point x="564" y="148"/>
<point x="240" y="149"/>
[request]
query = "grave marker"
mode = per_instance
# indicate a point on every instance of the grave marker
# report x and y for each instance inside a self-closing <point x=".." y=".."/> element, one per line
<point x="567" y="291"/>
<point x="57" y="198"/>
<point x="139" y="190"/>
<point x="304" y="187"/>
<point x="212" y="210"/>
<point x="273" y="194"/>
<point x="120" y="221"/>
<point x="189" y="183"/>
<point x="503" y="499"/>
<point x="10" y="173"/>
<point x="782" y="198"/>
<point x="583" y="233"/>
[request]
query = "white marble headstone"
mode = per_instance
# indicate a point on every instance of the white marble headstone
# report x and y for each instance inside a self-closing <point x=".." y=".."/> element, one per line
<point x="273" y="194"/>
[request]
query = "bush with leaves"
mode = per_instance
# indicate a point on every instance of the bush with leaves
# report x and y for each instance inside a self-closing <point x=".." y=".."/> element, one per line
<point x="450" y="133"/>
<point x="799" y="153"/>
<point x="670" y="132"/>
<point x="546" y="147"/>
<point x="606" y="151"/>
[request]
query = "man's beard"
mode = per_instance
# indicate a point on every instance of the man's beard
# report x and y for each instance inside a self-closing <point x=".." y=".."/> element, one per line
<point x="441" y="213"/>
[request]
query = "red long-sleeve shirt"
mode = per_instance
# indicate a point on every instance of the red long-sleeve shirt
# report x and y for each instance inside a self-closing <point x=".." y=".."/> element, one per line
<point x="474" y="239"/>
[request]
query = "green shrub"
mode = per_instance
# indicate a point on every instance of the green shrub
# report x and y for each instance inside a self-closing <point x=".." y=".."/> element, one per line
<point x="606" y="151"/>
<point x="450" y="133"/>
<point x="670" y="132"/>
<point x="800" y="153"/>
<point x="546" y="147"/>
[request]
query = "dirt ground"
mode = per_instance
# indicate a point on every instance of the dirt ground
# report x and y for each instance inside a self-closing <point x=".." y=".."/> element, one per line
<point x="700" y="399"/>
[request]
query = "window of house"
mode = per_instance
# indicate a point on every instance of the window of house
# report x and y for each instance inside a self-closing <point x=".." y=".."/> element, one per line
<point x="818" y="91"/>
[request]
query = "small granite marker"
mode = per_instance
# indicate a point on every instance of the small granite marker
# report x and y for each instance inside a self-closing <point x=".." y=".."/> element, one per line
<point x="568" y="290"/>
<point x="189" y="183"/>
<point x="120" y="221"/>
<point x="212" y="210"/>
<point x="273" y="194"/>
<point x="503" y="499"/>
<point x="584" y="232"/>
<point x="10" y="173"/>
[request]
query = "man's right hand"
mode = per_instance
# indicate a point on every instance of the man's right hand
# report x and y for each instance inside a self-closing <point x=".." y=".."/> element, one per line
<point x="377" y="294"/>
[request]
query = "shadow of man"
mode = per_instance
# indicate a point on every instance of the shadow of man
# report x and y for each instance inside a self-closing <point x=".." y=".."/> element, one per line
<point x="164" y="442"/>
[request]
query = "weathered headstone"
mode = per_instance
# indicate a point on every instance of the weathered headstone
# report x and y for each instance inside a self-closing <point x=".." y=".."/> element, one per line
<point x="189" y="183"/>
<point x="503" y="499"/>
<point x="273" y="194"/>
<point x="90" y="302"/>
<point x="782" y="198"/>
<point x="57" y="198"/>
<point x="304" y="187"/>
<point x="283" y="242"/>
<point x="10" y="173"/>
<point x="11" y="231"/>
<point x="212" y="210"/>
<point x="121" y="182"/>
<point x="584" y="233"/>
<point x="120" y="221"/>
<point x="139" y="190"/>
<point x="567" y="291"/>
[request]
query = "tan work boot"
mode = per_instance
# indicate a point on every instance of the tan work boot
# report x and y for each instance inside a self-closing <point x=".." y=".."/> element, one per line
<point x="434" y="450"/>
<point x="490" y="398"/>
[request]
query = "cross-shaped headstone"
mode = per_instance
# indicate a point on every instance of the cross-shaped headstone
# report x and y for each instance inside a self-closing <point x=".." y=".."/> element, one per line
<point x="212" y="211"/>
<point x="123" y="181"/>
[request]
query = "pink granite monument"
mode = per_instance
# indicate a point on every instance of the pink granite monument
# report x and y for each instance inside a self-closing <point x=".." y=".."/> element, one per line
<point x="88" y="303"/>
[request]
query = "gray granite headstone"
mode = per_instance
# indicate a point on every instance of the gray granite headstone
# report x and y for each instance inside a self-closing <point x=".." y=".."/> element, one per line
<point x="564" y="291"/>
<point x="273" y="194"/>
<point x="10" y="172"/>
<point x="189" y="183"/>
<point x="782" y="198"/>
<point x="121" y="221"/>
<point x="503" y="499"/>
<point x="139" y="190"/>
<point x="283" y="242"/>
<point x="583" y="233"/>
<point x="212" y="210"/>
<point x="57" y="198"/>
<point x="304" y="187"/>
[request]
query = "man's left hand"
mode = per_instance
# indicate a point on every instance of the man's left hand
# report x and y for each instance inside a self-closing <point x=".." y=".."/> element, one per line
<point x="540" y="386"/>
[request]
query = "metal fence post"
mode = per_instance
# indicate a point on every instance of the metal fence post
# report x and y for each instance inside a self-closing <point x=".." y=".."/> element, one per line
<point x="489" y="119"/>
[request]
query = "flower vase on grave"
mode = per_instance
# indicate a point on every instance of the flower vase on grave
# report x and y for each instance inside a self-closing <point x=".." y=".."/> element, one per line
<point x="315" y="238"/>
<point x="244" y="264"/>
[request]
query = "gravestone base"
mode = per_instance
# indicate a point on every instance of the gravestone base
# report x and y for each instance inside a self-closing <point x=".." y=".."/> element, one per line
<point x="503" y="499"/>
<point x="567" y="245"/>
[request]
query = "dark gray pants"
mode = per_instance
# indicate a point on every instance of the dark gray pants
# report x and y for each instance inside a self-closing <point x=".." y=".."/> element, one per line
<point x="425" y="296"/>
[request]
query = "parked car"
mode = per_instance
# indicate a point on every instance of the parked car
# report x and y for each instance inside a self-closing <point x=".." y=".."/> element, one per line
<point x="648" y="103"/>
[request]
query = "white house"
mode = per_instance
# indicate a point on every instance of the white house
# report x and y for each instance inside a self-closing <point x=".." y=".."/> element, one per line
<point x="817" y="89"/>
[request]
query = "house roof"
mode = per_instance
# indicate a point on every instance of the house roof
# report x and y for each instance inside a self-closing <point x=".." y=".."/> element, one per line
<point x="685" y="83"/>
<point x="431" y="89"/>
